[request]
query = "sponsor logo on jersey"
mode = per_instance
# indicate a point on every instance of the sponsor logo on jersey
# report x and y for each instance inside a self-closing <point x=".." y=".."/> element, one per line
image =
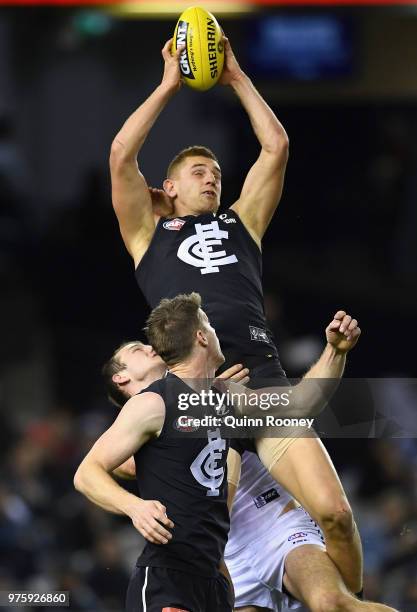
<point x="173" y="224"/>
<point x="300" y="535"/>
<point x="182" y="40"/>
<point x="205" y="468"/>
<point x="221" y="409"/>
<point x="265" y="498"/>
<point x="197" y="250"/>
<point x="226" y="219"/>
<point x="258" y="334"/>
<point x="185" y="428"/>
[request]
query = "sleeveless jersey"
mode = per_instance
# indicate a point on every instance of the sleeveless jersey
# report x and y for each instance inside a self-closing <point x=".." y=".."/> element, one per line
<point x="258" y="502"/>
<point x="189" y="477"/>
<point x="217" y="257"/>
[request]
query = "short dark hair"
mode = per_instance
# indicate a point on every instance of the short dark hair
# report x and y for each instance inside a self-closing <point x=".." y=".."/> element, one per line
<point x="172" y="325"/>
<point x="114" y="365"/>
<point x="194" y="151"/>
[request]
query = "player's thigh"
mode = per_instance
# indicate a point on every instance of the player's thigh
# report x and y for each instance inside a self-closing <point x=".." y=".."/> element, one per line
<point x="310" y="575"/>
<point x="306" y="471"/>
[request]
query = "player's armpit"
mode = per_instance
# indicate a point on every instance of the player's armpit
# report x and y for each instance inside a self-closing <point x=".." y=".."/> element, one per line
<point x="132" y="203"/>
<point x="262" y="192"/>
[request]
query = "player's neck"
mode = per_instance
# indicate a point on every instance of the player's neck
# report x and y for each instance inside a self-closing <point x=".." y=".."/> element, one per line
<point x="136" y="386"/>
<point x="183" y="210"/>
<point x="197" y="371"/>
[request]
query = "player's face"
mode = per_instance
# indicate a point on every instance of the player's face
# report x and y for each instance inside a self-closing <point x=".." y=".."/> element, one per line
<point x="215" y="352"/>
<point x="199" y="184"/>
<point x="141" y="362"/>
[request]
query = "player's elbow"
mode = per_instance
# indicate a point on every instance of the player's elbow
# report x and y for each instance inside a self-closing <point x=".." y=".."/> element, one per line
<point x="284" y="145"/>
<point x="79" y="479"/>
<point x="280" y="143"/>
<point x="120" y="156"/>
<point x="278" y="146"/>
<point x="116" y="154"/>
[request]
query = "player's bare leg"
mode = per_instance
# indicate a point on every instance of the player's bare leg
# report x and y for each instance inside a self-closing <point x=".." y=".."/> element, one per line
<point x="312" y="578"/>
<point x="306" y="471"/>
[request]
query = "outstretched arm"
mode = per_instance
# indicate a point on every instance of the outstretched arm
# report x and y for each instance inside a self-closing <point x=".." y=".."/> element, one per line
<point x="132" y="199"/>
<point x="310" y="396"/>
<point x="140" y="419"/>
<point x="263" y="186"/>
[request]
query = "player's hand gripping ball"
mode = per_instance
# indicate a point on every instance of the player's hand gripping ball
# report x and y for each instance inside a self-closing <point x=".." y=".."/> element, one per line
<point x="201" y="61"/>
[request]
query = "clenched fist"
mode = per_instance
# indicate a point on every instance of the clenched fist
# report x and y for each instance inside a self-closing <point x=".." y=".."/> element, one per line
<point x="343" y="332"/>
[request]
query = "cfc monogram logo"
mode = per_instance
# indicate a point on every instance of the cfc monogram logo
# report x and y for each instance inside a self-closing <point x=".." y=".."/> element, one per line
<point x="205" y="467"/>
<point x="197" y="250"/>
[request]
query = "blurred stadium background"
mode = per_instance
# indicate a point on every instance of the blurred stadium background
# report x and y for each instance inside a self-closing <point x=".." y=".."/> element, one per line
<point x="343" y="81"/>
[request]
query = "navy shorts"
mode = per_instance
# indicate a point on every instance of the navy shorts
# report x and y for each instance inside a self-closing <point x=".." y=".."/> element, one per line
<point x="161" y="589"/>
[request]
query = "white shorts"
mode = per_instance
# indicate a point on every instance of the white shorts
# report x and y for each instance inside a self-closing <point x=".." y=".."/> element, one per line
<point x="258" y="568"/>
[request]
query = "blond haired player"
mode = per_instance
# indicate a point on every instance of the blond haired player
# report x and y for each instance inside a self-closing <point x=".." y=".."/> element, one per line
<point x="192" y="249"/>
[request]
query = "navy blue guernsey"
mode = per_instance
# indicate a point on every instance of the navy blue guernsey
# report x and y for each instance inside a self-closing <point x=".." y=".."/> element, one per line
<point x="189" y="477"/>
<point x="217" y="257"/>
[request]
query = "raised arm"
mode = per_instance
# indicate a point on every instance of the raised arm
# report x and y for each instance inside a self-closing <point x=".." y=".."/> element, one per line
<point x="263" y="186"/>
<point x="140" y="419"/>
<point x="310" y="396"/>
<point x="132" y="199"/>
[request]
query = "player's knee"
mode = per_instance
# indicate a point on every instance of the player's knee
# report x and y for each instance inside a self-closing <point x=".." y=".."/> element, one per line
<point x="337" y="521"/>
<point x="332" y="602"/>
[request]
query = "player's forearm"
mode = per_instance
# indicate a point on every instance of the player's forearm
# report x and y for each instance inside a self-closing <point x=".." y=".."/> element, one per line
<point x="129" y="140"/>
<point x="268" y="129"/>
<point x="312" y="394"/>
<point x="331" y="364"/>
<point x="99" y="487"/>
<point x="306" y="399"/>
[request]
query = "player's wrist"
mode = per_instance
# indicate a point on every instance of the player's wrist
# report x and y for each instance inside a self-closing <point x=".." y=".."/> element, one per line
<point x="238" y="78"/>
<point x="168" y="88"/>
<point x="129" y="504"/>
<point x="334" y="352"/>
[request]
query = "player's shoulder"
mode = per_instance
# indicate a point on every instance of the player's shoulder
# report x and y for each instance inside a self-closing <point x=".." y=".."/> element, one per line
<point x="147" y="410"/>
<point x="158" y="386"/>
<point x="229" y="215"/>
<point x="148" y="398"/>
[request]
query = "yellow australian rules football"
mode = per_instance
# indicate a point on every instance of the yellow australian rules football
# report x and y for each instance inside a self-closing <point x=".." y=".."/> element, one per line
<point x="201" y="62"/>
